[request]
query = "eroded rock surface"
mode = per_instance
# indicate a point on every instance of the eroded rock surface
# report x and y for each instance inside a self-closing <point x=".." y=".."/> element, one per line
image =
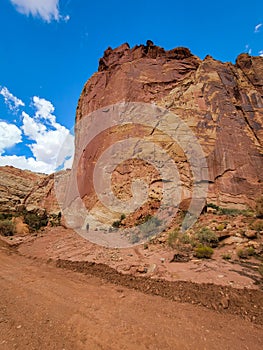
<point x="23" y="188"/>
<point x="221" y="102"/>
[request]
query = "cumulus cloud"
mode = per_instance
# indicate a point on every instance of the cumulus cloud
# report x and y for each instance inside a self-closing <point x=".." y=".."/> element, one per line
<point x="53" y="144"/>
<point x="11" y="101"/>
<point x="22" y="162"/>
<point x="48" y="10"/>
<point x="10" y="135"/>
<point x="44" y="109"/>
<point x="257" y="27"/>
<point x="261" y="53"/>
<point x="31" y="128"/>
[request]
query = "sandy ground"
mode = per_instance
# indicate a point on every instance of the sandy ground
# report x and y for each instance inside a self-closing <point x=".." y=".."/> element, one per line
<point x="154" y="262"/>
<point x="45" y="307"/>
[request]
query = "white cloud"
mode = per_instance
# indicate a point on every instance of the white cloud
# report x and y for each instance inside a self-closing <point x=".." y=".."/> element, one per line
<point x="68" y="163"/>
<point x="30" y="127"/>
<point x="49" y="146"/>
<point x="248" y="49"/>
<point x="261" y="53"/>
<point x="22" y="162"/>
<point x="44" y="109"/>
<point x="48" y="10"/>
<point x="257" y="27"/>
<point x="66" y="18"/>
<point x="10" y="135"/>
<point x="53" y="144"/>
<point x="11" y="101"/>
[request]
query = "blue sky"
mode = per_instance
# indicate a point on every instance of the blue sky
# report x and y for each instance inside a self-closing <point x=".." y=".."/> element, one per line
<point x="49" y="48"/>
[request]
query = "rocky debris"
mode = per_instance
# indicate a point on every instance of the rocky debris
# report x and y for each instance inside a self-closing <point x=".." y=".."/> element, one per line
<point x="21" y="229"/>
<point x="224" y="299"/>
<point x="251" y="234"/>
<point x="221" y="102"/>
<point x="142" y="269"/>
<point x="224" y="302"/>
<point x="180" y="257"/>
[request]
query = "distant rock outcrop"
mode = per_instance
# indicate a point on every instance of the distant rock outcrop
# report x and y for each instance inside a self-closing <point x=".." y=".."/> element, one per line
<point x="25" y="189"/>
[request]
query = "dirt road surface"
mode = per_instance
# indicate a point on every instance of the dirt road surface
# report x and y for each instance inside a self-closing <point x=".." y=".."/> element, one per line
<point x="44" y="307"/>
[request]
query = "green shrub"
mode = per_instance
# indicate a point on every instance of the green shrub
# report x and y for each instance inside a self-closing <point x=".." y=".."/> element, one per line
<point x="221" y="227"/>
<point x="213" y="206"/>
<point x="172" y="238"/>
<point x="35" y="220"/>
<point x="150" y="227"/>
<point x="250" y="251"/>
<point x="123" y="216"/>
<point x="257" y="225"/>
<point x="116" y="224"/>
<point x="241" y="253"/>
<point x="245" y="253"/>
<point x="185" y="238"/>
<point x="7" y="228"/>
<point x="207" y="237"/>
<point x="229" y="211"/>
<point x="234" y="212"/>
<point x="203" y="252"/>
<point x="259" y="207"/>
<point x="226" y="256"/>
<point x="134" y="238"/>
<point x="4" y="216"/>
<point x="55" y="220"/>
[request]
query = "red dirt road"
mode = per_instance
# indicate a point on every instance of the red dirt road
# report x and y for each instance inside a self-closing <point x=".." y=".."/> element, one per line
<point x="43" y="307"/>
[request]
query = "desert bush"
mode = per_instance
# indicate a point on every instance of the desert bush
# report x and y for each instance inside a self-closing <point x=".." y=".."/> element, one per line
<point x="259" y="207"/>
<point x="221" y="227"/>
<point x="257" y="225"/>
<point x="134" y="238"/>
<point x="245" y="253"/>
<point x="116" y="224"/>
<point x="226" y="256"/>
<point x="4" y="216"/>
<point x="213" y="206"/>
<point x="203" y="252"/>
<point x="123" y="216"/>
<point x="55" y="219"/>
<point x="230" y="211"/>
<point x="150" y="227"/>
<point x="207" y="237"/>
<point x="185" y="239"/>
<point x="35" y="220"/>
<point x="7" y="228"/>
<point x="172" y="238"/>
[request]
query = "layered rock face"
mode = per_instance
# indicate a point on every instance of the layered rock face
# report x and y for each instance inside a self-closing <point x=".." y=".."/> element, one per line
<point x="222" y="103"/>
<point x="24" y="188"/>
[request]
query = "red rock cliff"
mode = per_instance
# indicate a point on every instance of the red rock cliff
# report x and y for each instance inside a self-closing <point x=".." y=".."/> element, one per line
<point x="221" y="102"/>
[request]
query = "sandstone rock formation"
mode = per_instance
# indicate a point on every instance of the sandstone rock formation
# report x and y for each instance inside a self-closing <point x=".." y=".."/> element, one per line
<point x="22" y="188"/>
<point x="221" y="102"/>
